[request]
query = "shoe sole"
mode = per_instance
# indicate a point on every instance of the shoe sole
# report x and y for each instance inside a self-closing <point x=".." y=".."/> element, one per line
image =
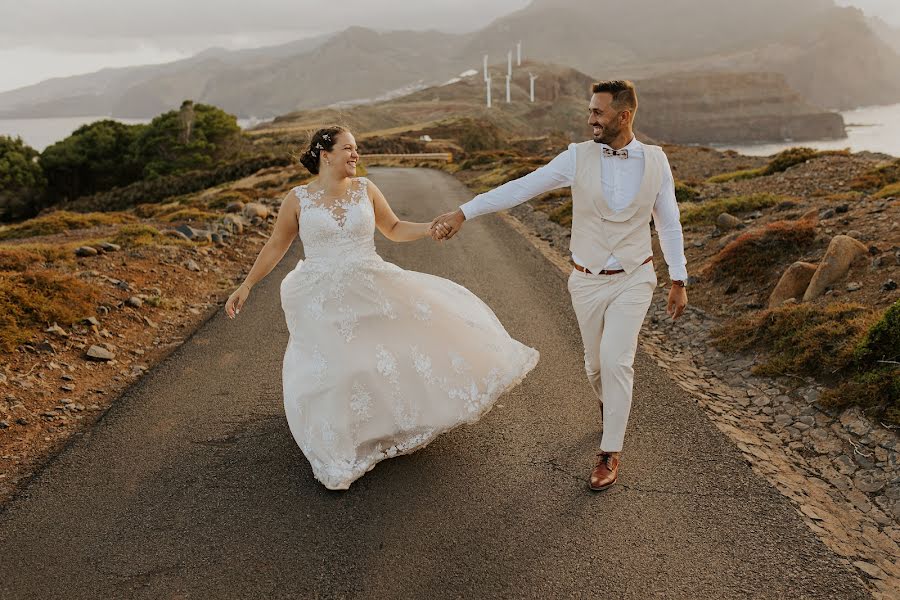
<point x="605" y="487"/>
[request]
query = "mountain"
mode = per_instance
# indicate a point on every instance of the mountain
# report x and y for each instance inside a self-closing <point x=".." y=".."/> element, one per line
<point x="684" y="108"/>
<point x="888" y="33"/>
<point x="834" y="57"/>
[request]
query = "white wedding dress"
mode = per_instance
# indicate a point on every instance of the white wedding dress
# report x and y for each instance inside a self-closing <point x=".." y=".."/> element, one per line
<point x="381" y="360"/>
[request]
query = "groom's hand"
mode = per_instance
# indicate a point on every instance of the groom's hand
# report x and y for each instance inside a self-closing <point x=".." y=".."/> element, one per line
<point x="447" y="225"/>
<point x="677" y="301"/>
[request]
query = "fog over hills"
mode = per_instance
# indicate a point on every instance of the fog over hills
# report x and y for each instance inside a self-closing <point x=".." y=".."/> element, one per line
<point x="835" y="57"/>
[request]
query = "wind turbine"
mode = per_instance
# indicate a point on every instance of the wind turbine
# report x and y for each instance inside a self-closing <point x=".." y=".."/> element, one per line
<point x="486" y="67"/>
<point x="532" y="77"/>
<point x="487" y="81"/>
<point x="519" y="54"/>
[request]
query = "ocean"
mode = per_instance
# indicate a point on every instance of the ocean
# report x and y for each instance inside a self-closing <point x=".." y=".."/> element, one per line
<point x="872" y="128"/>
<point x="40" y="133"/>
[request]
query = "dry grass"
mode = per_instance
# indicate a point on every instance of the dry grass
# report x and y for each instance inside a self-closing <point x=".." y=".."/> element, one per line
<point x="735" y="176"/>
<point x="30" y="302"/>
<point x="841" y="340"/>
<point x="23" y="256"/>
<point x="133" y="236"/>
<point x="61" y="221"/>
<point x="693" y="213"/>
<point x="878" y="177"/>
<point x="757" y="255"/>
<point x="190" y="215"/>
<point x="889" y="191"/>
<point x="779" y="163"/>
<point x="800" y="338"/>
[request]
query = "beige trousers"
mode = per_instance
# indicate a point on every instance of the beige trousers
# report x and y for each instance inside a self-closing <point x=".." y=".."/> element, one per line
<point x="610" y="311"/>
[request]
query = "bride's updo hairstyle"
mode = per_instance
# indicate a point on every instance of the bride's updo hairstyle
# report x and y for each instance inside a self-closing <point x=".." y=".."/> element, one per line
<point x="321" y="141"/>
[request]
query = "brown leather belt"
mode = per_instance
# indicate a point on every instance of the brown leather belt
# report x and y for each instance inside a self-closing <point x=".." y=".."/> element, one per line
<point x="605" y="271"/>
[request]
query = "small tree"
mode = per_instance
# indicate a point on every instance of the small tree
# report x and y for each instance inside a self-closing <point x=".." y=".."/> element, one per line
<point x="22" y="182"/>
<point x="96" y="157"/>
<point x="195" y="137"/>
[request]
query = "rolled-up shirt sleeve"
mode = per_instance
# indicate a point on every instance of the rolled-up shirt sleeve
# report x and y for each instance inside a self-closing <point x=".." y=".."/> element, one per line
<point x="667" y="220"/>
<point x="558" y="173"/>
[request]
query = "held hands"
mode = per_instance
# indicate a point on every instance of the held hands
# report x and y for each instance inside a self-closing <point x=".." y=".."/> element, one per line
<point x="677" y="301"/>
<point x="447" y="225"/>
<point x="236" y="300"/>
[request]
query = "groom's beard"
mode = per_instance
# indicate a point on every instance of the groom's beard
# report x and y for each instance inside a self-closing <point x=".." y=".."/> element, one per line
<point x="607" y="135"/>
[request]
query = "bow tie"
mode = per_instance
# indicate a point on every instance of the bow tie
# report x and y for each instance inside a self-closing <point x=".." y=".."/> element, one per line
<point x="623" y="153"/>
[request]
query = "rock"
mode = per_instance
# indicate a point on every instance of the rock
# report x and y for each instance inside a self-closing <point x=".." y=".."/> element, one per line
<point x="793" y="283"/>
<point x="86" y="251"/>
<point x="234" y="224"/>
<point x="827" y="213"/>
<point x="235" y="207"/>
<point x="854" y="422"/>
<point x="854" y="286"/>
<point x="889" y="286"/>
<point x="22" y="421"/>
<point x="783" y="420"/>
<point x="135" y="302"/>
<point x="174" y="233"/>
<point x="195" y="235"/>
<point x="57" y="330"/>
<point x="217" y="239"/>
<point x="856" y="235"/>
<point x="870" y="569"/>
<point x="885" y="260"/>
<point x="191" y="265"/>
<point x="255" y="210"/>
<point x="728" y="222"/>
<point x="845" y="465"/>
<point x="67" y="388"/>
<point x="841" y="253"/>
<point x="4" y="424"/>
<point x="92" y="321"/>
<point x="110" y="247"/>
<point x="865" y="482"/>
<point x="99" y="353"/>
<point x="842" y="208"/>
<point x="150" y="323"/>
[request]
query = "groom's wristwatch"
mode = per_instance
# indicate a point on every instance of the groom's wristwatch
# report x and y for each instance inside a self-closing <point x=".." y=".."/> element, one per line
<point x="680" y="283"/>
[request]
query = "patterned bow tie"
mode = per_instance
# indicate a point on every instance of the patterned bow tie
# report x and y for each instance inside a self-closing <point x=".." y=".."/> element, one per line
<point x="623" y="153"/>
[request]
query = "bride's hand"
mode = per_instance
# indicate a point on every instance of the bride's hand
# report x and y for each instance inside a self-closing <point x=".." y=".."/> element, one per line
<point x="236" y="300"/>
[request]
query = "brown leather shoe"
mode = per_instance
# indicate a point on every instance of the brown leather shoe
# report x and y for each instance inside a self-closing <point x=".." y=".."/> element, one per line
<point x="605" y="473"/>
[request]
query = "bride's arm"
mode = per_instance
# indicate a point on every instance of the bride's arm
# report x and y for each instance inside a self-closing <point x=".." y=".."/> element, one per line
<point x="287" y="226"/>
<point x="392" y="227"/>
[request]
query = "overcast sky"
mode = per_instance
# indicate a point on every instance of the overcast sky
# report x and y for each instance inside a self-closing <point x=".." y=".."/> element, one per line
<point x="40" y="39"/>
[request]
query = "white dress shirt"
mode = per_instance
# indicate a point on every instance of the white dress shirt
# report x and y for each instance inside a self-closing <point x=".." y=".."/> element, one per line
<point x="621" y="180"/>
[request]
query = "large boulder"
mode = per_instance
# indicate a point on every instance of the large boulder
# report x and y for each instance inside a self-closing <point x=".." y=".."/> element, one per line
<point x="234" y="224"/>
<point x="793" y="283"/>
<point x="842" y="252"/>
<point x="727" y="222"/>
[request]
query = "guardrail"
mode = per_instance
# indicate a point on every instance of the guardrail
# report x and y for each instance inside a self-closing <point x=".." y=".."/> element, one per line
<point x="442" y="156"/>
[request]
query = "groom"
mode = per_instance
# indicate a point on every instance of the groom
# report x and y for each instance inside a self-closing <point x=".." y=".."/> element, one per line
<point x="617" y="184"/>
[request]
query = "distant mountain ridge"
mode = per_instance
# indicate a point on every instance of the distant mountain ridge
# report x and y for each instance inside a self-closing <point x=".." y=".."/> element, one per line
<point x="835" y="57"/>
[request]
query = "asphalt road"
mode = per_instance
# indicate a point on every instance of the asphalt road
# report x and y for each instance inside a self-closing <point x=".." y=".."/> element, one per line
<point x="191" y="486"/>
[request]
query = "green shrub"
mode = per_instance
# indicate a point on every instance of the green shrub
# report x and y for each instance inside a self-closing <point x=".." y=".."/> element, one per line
<point x="693" y="213"/>
<point x="735" y="176"/>
<point x="786" y="159"/>
<point x="685" y="193"/>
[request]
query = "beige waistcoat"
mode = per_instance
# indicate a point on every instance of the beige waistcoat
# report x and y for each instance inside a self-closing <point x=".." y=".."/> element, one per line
<point x="597" y="231"/>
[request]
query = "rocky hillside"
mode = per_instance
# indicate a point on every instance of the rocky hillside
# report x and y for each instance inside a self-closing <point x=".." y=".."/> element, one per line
<point x="834" y="57"/>
<point x="690" y="108"/>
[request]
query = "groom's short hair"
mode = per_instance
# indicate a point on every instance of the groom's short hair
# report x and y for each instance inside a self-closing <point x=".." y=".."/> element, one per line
<point x="623" y="93"/>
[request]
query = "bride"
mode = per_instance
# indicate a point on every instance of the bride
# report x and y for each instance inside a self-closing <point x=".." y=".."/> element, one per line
<point x="380" y="360"/>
